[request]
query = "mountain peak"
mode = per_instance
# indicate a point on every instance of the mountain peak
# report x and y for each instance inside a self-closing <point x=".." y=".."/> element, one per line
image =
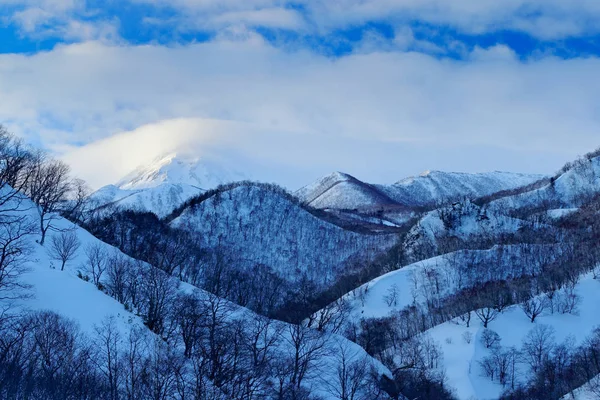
<point x="174" y="168"/>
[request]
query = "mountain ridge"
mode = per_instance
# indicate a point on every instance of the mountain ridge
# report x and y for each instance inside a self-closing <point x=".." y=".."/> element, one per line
<point x="340" y="191"/>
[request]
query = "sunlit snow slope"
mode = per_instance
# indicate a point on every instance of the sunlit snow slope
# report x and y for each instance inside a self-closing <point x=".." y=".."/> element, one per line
<point x="161" y="186"/>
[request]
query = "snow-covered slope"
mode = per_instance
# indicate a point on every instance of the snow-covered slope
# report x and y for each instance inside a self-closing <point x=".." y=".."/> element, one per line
<point x="438" y="277"/>
<point x="62" y="291"/>
<point x="436" y="187"/>
<point x="67" y="294"/>
<point x="164" y="184"/>
<point x="342" y="191"/>
<point x="462" y="359"/>
<point x="198" y="172"/>
<point x="579" y="183"/>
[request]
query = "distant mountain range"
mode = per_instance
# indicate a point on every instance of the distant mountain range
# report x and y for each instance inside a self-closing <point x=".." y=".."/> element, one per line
<point x="172" y="179"/>
<point x="341" y="191"/>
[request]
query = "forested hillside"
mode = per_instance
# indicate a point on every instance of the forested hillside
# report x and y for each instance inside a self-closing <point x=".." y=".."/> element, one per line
<point x="503" y="289"/>
<point x="82" y="320"/>
<point x="245" y="291"/>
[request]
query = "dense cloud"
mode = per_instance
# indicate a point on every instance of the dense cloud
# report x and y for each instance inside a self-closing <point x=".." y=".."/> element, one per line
<point x="289" y="114"/>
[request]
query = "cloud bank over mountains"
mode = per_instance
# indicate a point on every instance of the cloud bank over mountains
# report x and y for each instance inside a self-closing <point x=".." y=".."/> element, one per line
<point x="295" y="90"/>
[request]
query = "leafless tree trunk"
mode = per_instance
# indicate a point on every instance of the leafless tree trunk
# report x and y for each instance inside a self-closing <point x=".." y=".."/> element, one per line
<point x="97" y="259"/>
<point x="15" y="248"/>
<point x="64" y="246"/>
<point x="486" y="315"/>
<point x="108" y="343"/>
<point x="533" y="307"/>
<point x="537" y="346"/>
<point x="49" y="187"/>
<point x="308" y="346"/>
<point x="352" y="377"/>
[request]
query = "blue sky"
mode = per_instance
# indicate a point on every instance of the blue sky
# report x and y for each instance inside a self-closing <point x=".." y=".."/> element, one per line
<point x="148" y="22"/>
<point x="298" y="88"/>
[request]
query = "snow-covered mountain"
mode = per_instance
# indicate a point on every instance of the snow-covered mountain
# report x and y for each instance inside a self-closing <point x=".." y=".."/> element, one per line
<point x="435" y="187"/>
<point x="341" y="191"/>
<point x="165" y="183"/>
<point x="201" y="173"/>
<point x="447" y="285"/>
<point x="576" y="184"/>
<point x="262" y="224"/>
<point x="88" y="299"/>
<point x="518" y="265"/>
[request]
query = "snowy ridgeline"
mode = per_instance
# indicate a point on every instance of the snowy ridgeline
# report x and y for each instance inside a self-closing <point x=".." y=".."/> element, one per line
<point x="160" y="200"/>
<point x="571" y="188"/>
<point x="437" y="278"/>
<point x="89" y="298"/>
<point x="342" y="191"/>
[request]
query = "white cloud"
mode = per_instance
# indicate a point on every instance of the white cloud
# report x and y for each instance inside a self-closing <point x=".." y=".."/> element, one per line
<point x="60" y="18"/>
<point x="379" y="115"/>
<point x="548" y="19"/>
<point x="109" y="159"/>
<point x="268" y="17"/>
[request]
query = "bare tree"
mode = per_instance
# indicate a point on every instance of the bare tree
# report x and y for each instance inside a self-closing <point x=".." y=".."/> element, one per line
<point x="487" y="315"/>
<point x="157" y="297"/>
<point x="64" y="246"/>
<point x="594" y="386"/>
<point x="392" y="295"/>
<point x="332" y="317"/>
<point x="352" y="378"/>
<point x="49" y="187"/>
<point x="190" y="318"/>
<point x="15" y="226"/>
<point x="490" y="338"/>
<point x="538" y="345"/>
<point x="118" y="273"/>
<point x="15" y="170"/>
<point x="108" y="342"/>
<point x="164" y="365"/>
<point x="136" y="346"/>
<point x="307" y="347"/>
<point x="78" y="203"/>
<point x="467" y="337"/>
<point x="533" y="307"/>
<point x="466" y="318"/>
<point x="97" y="262"/>
<point x="567" y="300"/>
<point x="14" y="251"/>
<point x="501" y="365"/>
